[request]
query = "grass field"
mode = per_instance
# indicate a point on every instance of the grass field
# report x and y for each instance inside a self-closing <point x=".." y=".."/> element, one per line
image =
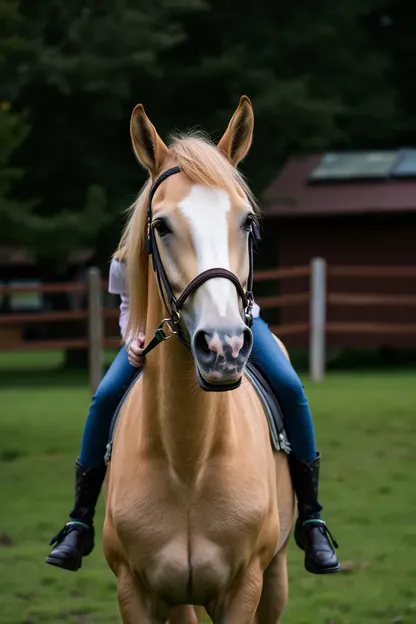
<point x="366" y="427"/>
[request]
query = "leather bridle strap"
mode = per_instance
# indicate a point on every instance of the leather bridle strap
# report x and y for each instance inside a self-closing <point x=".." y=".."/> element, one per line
<point x="152" y="247"/>
<point x="204" y="277"/>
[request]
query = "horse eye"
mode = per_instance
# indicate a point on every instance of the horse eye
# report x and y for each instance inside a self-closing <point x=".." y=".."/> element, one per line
<point x="162" y="227"/>
<point x="248" y="223"/>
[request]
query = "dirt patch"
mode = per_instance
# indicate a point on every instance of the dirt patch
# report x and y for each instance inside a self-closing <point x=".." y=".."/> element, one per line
<point x="6" y="541"/>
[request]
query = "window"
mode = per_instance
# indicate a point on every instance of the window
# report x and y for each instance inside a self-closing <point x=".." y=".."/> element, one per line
<point x="354" y="166"/>
<point x="406" y="164"/>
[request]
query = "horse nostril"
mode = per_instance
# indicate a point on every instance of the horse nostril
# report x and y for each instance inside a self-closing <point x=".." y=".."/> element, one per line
<point x="202" y="345"/>
<point x="247" y="344"/>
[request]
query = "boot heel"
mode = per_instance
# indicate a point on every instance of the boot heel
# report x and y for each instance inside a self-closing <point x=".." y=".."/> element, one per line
<point x="71" y="566"/>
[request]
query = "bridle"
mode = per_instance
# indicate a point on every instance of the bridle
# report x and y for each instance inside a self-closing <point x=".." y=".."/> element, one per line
<point x="174" y="304"/>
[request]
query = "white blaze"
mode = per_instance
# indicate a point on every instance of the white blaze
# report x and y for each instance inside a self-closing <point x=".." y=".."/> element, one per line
<point x="206" y="211"/>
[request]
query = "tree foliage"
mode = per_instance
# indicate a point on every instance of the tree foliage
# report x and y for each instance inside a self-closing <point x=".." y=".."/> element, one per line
<point x="13" y="129"/>
<point x="320" y="75"/>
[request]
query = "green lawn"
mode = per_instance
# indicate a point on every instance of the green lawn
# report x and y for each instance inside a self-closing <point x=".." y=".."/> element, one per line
<point x="365" y="425"/>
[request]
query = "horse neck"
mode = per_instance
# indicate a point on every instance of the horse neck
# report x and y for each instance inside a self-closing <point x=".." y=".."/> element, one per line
<point x="181" y="422"/>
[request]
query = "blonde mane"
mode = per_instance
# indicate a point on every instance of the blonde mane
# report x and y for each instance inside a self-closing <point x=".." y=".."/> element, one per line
<point x="202" y="162"/>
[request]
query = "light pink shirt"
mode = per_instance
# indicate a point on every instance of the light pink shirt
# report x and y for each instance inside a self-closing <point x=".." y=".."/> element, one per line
<point x="118" y="286"/>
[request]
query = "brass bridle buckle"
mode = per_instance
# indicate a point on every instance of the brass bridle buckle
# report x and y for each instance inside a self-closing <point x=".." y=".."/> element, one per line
<point x="160" y="332"/>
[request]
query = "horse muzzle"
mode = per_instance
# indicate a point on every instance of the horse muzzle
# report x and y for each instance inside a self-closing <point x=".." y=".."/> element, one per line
<point x="221" y="355"/>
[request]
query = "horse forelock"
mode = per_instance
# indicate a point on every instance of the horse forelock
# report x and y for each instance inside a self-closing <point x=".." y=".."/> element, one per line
<point x="203" y="163"/>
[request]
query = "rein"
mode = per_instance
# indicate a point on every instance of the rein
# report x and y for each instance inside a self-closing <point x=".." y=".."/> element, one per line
<point x="174" y="304"/>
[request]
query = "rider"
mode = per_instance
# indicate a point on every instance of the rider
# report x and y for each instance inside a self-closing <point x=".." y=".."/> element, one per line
<point x="76" y="539"/>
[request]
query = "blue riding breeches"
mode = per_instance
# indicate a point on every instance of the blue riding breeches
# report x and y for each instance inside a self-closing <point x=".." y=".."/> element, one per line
<point x="102" y="408"/>
<point x="269" y="358"/>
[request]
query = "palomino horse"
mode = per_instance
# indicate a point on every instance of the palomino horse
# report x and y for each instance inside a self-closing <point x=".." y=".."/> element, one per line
<point x="199" y="508"/>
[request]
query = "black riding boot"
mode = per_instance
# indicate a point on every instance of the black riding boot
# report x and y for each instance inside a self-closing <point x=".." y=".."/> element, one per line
<point x="311" y="532"/>
<point x="76" y="539"/>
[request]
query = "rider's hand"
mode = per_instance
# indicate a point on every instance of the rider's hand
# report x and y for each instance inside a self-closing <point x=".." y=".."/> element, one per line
<point x="135" y="351"/>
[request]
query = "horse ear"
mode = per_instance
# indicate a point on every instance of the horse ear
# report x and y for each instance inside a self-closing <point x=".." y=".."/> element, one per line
<point x="236" y="140"/>
<point x="149" y="148"/>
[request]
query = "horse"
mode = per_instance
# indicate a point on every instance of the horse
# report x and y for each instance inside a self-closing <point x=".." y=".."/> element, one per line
<point x="199" y="508"/>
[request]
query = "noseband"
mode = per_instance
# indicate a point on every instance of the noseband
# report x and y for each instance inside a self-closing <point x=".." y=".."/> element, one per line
<point x="175" y="304"/>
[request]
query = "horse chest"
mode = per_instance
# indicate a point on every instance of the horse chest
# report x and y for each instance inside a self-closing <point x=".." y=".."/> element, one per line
<point x="218" y="504"/>
<point x="194" y="538"/>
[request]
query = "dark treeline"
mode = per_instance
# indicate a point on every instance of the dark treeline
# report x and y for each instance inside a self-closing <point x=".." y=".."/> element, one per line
<point x="320" y="74"/>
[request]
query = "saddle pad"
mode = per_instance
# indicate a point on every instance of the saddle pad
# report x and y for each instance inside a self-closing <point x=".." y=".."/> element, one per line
<point x="116" y="415"/>
<point x="274" y="414"/>
<point x="272" y="409"/>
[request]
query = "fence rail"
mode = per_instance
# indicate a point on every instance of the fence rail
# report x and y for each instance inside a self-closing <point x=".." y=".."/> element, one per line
<point x="316" y="299"/>
<point x="352" y="299"/>
<point x="283" y="300"/>
<point x="56" y="288"/>
<point x="371" y="328"/>
<point x="286" y="273"/>
<point x="372" y="272"/>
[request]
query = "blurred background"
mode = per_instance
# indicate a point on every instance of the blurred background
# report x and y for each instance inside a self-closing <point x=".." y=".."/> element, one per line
<point x="333" y="165"/>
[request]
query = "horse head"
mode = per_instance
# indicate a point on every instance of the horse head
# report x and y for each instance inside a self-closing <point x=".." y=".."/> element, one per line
<point x="196" y="218"/>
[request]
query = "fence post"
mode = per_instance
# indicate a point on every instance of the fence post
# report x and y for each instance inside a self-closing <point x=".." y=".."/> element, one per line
<point x="317" y="319"/>
<point x="95" y="328"/>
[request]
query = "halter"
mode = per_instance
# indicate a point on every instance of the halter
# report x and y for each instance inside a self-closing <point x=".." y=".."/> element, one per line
<point x="174" y="304"/>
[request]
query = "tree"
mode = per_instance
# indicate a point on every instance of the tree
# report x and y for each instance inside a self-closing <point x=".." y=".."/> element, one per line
<point x="13" y="130"/>
<point x="390" y="32"/>
<point x="312" y="70"/>
<point x="81" y="69"/>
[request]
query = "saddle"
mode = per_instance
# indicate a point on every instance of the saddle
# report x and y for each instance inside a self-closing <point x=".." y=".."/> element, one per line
<point x="272" y="409"/>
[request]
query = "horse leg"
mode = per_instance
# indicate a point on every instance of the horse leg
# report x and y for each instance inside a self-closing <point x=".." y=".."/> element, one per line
<point x="184" y="614"/>
<point x="275" y="589"/>
<point x="132" y="604"/>
<point x="240" y="604"/>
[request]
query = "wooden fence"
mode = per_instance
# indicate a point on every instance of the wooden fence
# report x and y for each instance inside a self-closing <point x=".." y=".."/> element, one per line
<point x="314" y="297"/>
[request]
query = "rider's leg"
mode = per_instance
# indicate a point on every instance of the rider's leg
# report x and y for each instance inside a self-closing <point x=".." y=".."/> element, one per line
<point x="76" y="539"/>
<point x="311" y="533"/>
